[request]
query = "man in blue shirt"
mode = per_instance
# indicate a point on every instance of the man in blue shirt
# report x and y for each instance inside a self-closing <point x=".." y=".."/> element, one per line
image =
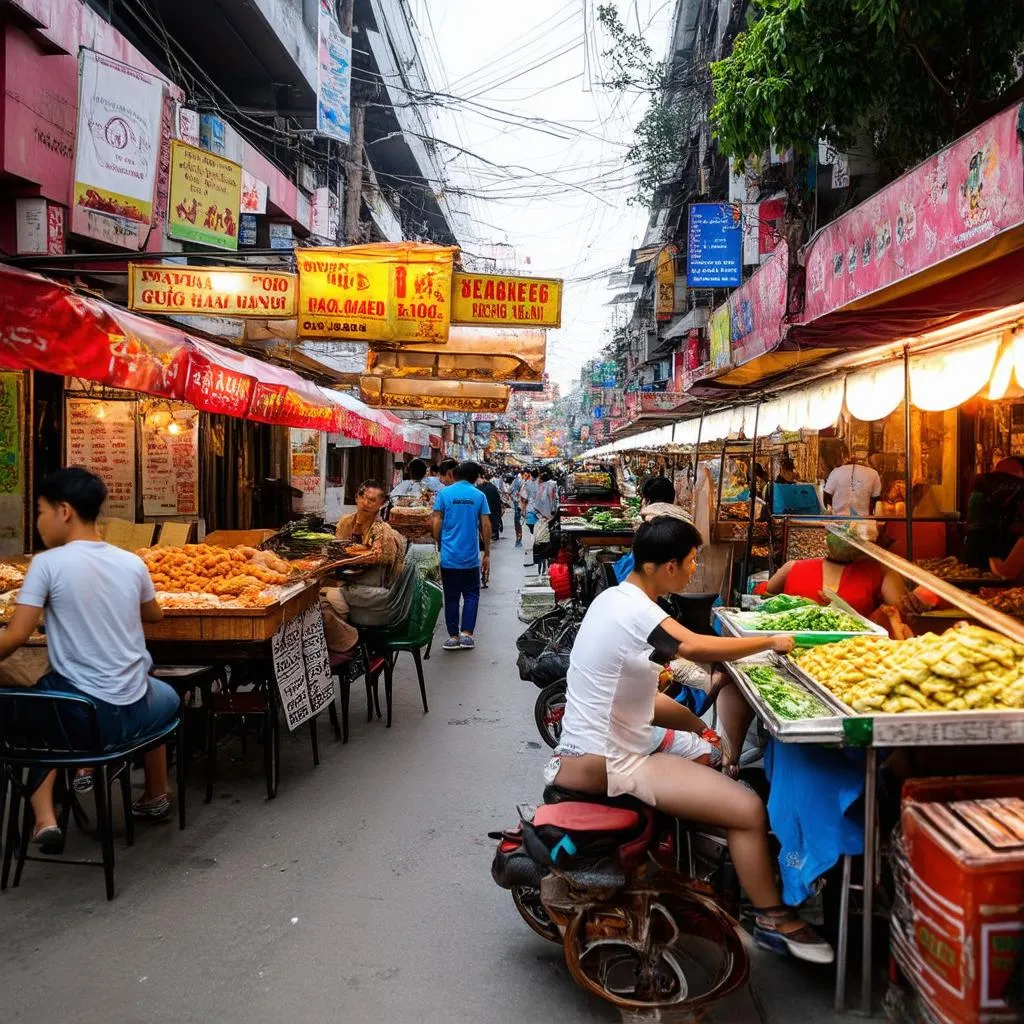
<point x="461" y="521"/>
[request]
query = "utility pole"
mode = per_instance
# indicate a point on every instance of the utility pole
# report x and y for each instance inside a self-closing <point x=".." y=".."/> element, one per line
<point x="354" y="161"/>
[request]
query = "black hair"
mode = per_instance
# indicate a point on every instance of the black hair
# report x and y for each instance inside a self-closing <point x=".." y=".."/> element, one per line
<point x="665" y="539"/>
<point x="417" y="470"/>
<point x="533" y="473"/>
<point x="372" y="485"/>
<point x="468" y="471"/>
<point x="434" y="470"/>
<point x="447" y="466"/>
<point x="545" y="476"/>
<point x="510" y="478"/>
<point x="788" y="464"/>
<point x="759" y="472"/>
<point x="85" y="492"/>
<point x="658" y="489"/>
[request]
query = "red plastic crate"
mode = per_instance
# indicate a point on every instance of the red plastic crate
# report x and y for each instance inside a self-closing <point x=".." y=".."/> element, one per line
<point x="959" y="922"/>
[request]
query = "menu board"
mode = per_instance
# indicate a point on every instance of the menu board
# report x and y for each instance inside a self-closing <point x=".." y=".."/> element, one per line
<point x="170" y="467"/>
<point x="307" y="455"/>
<point x="101" y="437"/>
<point x="302" y="667"/>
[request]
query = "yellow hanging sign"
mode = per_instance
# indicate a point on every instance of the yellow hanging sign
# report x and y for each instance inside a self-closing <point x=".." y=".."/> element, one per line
<point x="500" y="300"/>
<point x="388" y="292"/>
<point x="161" y="288"/>
<point x="205" y="194"/>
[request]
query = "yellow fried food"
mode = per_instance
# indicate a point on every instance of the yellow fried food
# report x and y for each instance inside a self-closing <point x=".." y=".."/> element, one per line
<point x="965" y="668"/>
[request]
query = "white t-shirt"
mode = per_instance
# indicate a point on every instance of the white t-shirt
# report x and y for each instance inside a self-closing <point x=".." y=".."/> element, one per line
<point x="92" y="593"/>
<point x="852" y="487"/>
<point x="612" y="682"/>
<point x="407" y="487"/>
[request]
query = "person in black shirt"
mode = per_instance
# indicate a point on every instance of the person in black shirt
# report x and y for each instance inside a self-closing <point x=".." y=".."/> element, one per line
<point x="493" y="496"/>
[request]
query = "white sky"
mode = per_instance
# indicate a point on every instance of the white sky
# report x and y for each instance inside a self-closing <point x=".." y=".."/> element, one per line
<point x="572" y="234"/>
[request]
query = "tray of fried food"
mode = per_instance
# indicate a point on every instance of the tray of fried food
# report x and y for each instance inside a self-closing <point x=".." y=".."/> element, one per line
<point x="223" y="572"/>
<point x="197" y="601"/>
<point x="11" y="577"/>
<point x="8" y="602"/>
<point x="967" y="668"/>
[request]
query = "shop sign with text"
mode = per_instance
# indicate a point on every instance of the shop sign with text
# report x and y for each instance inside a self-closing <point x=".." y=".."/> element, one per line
<point x="205" y="197"/>
<point x="375" y="293"/>
<point x="209" y="290"/>
<point x="504" y="301"/>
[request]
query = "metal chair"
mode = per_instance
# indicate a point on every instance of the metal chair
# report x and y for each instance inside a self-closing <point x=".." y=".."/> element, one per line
<point x="44" y="730"/>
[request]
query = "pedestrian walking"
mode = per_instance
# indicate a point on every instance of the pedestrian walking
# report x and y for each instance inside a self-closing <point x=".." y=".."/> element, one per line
<point x="461" y="521"/>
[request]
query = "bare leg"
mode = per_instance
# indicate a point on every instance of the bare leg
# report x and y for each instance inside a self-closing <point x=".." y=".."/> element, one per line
<point x="155" y="764"/>
<point x="42" y="803"/>
<point x="735" y="716"/>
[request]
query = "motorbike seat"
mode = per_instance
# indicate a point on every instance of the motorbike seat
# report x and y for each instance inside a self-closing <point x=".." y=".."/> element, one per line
<point x="554" y="794"/>
<point x="587" y="817"/>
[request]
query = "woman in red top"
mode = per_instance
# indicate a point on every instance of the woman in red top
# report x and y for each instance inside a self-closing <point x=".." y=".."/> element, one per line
<point x="863" y="584"/>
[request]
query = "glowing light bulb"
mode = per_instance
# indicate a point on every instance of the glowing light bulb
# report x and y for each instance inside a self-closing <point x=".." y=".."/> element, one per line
<point x="174" y="429"/>
<point x="101" y="411"/>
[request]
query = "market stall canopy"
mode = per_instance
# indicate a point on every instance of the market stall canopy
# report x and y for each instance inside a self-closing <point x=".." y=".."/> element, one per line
<point x="488" y="354"/>
<point x="48" y="327"/>
<point x="434" y="395"/>
<point x="941" y="244"/>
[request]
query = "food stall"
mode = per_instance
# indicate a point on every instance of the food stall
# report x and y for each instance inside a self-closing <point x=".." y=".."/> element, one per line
<point x="961" y="687"/>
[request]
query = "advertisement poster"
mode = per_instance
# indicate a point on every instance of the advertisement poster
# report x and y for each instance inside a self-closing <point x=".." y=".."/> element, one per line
<point x="386" y="293"/>
<point x="254" y="194"/>
<point x="504" y="301"/>
<point x="12" y="477"/>
<point x="957" y="199"/>
<point x="757" y="311"/>
<point x="170" y="465"/>
<point x="666" y="275"/>
<point x="118" y="143"/>
<point x="334" y="76"/>
<point x="101" y="437"/>
<point x="153" y="288"/>
<point x="306" y="470"/>
<point x="205" y="197"/>
<point x="714" y="252"/>
<point x="719" y="332"/>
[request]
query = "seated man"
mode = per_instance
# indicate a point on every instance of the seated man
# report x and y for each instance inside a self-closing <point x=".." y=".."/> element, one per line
<point x="96" y="598"/>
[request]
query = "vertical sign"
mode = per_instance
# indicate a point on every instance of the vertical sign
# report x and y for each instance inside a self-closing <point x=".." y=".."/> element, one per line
<point x="302" y="667"/>
<point x="12" y="475"/>
<point x="714" y="255"/>
<point x="306" y="468"/>
<point x="721" y="343"/>
<point x="666" y="275"/>
<point x="334" y="76"/>
<point x="101" y="437"/>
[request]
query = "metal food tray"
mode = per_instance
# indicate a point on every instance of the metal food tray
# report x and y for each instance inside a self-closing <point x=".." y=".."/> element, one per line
<point x="917" y="728"/>
<point x="738" y="623"/>
<point x="827" y="729"/>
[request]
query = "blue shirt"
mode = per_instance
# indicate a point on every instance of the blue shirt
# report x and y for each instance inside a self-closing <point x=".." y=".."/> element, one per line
<point x="461" y="505"/>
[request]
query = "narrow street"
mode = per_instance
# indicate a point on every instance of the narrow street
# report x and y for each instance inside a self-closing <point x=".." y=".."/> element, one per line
<point x="362" y="893"/>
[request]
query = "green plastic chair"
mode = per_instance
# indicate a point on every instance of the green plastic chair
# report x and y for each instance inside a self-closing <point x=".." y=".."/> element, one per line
<point x="413" y="636"/>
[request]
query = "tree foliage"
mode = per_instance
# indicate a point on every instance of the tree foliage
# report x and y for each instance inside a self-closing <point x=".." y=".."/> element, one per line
<point x="911" y="75"/>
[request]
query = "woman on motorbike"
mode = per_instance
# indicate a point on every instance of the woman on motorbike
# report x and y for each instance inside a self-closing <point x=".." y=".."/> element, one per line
<point x="613" y="707"/>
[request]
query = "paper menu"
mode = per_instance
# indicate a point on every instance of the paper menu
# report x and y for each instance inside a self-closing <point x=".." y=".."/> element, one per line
<point x="170" y="469"/>
<point x="101" y="437"/>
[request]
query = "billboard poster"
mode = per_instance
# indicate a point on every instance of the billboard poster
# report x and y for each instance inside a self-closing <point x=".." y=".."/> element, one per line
<point x="118" y="144"/>
<point x="205" y="197"/>
<point x="334" y="76"/>
<point x="666" y="275"/>
<point x="714" y="251"/>
<point x="721" y="340"/>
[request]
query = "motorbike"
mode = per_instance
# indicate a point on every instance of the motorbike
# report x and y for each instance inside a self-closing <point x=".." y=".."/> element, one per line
<point x="544" y="660"/>
<point x="603" y="877"/>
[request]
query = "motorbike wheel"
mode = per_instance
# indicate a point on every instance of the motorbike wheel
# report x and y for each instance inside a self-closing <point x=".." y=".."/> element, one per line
<point x="671" y="948"/>
<point x="527" y="901"/>
<point x="548" y="711"/>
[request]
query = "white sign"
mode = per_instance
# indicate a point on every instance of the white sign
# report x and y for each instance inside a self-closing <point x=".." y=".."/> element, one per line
<point x="254" y="194"/>
<point x="170" y="465"/>
<point x="187" y="125"/>
<point x="841" y="171"/>
<point x="118" y="146"/>
<point x="334" y="76"/>
<point x="101" y="437"/>
<point x="30" y="215"/>
<point x="326" y="215"/>
<point x="302" y="667"/>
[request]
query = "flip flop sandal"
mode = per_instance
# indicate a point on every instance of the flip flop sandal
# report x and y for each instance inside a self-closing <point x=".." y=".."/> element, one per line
<point x="50" y="840"/>
<point x="803" y="943"/>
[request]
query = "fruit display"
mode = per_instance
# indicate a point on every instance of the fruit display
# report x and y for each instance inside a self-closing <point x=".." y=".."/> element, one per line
<point x="236" y="577"/>
<point x="967" y="668"/>
<point x="809" y="619"/>
<point x="952" y="569"/>
<point x="785" y="698"/>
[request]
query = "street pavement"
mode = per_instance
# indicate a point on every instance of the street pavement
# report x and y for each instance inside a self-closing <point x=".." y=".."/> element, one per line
<point x="362" y="893"/>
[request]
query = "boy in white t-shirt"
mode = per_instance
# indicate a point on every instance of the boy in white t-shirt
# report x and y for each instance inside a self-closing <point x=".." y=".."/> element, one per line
<point x="853" y="488"/>
<point x="96" y="599"/>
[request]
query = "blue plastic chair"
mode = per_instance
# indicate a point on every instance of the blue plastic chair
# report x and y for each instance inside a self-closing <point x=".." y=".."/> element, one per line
<point x="34" y="733"/>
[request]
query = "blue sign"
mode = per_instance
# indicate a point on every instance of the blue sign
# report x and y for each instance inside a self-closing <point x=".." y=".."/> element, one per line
<point x="247" y="229"/>
<point x="714" y="248"/>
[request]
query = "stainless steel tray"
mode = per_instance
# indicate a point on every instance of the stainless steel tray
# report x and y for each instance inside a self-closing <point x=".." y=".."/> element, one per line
<point x="826" y="730"/>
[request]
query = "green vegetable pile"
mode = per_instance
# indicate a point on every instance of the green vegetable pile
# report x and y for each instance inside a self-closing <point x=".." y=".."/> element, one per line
<point x="785" y="603"/>
<point x="787" y="700"/>
<point x="809" y="619"/>
<point x="606" y="519"/>
<point x="311" y="537"/>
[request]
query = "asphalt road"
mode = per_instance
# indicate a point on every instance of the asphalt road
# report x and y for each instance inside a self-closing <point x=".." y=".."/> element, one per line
<point x="362" y="893"/>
